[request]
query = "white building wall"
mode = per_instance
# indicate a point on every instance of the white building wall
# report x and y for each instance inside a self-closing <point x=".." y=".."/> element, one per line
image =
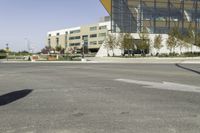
<point x="191" y="48"/>
<point x="63" y="31"/>
<point x="103" y="51"/>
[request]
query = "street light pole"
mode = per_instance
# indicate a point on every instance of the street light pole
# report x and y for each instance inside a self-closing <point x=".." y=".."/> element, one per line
<point x="7" y="51"/>
<point x="83" y="49"/>
<point x="28" y="45"/>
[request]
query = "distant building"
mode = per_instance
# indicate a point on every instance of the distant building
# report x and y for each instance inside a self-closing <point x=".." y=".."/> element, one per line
<point x="91" y="36"/>
<point x="156" y="17"/>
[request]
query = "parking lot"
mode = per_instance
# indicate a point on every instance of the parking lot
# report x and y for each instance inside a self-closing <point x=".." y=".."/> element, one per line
<point x="99" y="98"/>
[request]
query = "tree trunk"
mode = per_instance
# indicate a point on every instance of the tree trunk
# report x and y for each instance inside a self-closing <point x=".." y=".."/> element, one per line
<point x="158" y="51"/>
<point x="144" y="54"/>
<point x="173" y="49"/>
<point x="128" y="53"/>
<point x="108" y="52"/>
<point x="180" y="50"/>
<point x="113" y="52"/>
<point x="122" y="53"/>
<point x="170" y="50"/>
<point x="141" y="51"/>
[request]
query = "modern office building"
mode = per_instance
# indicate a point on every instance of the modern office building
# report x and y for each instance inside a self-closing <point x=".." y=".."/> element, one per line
<point x="133" y="16"/>
<point x="157" y="16"/>
<point x="91" y="36"/>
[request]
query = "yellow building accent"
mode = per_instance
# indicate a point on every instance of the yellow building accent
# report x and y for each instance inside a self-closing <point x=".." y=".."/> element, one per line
<point x="107" y="4"/>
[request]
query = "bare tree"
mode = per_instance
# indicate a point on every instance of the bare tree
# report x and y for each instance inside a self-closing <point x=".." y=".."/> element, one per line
<point x="173" y="39"/>
<point x="58" y="48"/>
<point x="119" y="43"/>
<point x="170" y="43"/>
<point x="144" y="42"/>
<point x="158" y="43"/>
<point x="190" y="35"/>
<point x="198" y="40"/>
<point x="182" y="42"/>
<point x="122" y="42"/>
<point x="127" y="43"/>
<point x="110" y="43"/>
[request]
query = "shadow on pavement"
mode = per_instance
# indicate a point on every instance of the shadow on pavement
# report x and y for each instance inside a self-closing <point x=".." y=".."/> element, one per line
<point x="189" y="69"/>
<point x="13" y="96"/>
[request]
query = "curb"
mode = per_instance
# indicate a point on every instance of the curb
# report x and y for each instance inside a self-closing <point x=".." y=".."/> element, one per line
<point x="103" y="62"/>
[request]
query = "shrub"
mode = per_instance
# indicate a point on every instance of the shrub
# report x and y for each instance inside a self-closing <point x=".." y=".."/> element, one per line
<point x="173" y="54"/>
<point x="3" y="56"/>
<point x="163" y="55"/>
<point x="2" y="51"/>
<point x="191" y="54"/>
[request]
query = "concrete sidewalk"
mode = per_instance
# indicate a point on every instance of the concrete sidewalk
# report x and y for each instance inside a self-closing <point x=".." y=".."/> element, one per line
<point x="148" y="60"/>
<point x="195" y="60"/>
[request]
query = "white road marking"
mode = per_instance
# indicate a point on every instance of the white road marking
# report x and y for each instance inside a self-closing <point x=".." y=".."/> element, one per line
<point x="163" y="85"/>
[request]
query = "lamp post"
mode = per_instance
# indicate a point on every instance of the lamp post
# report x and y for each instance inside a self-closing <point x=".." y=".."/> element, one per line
<point x="7" y="51"/>
<point x="83" y="49"/>
<point x="28" y="45"/>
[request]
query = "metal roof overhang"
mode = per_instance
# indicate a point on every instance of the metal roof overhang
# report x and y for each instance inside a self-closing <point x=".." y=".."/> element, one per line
<point x="107" y="4"/>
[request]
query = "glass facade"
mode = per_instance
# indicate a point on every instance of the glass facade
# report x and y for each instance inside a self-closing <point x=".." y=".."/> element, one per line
<point x="156" y="16"/>
<point x="122" y="19"/>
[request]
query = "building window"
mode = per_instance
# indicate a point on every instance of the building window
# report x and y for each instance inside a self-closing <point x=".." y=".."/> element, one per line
<point x="93" y="28"/>
<point x="85" y="37"/>
<point x="58" y="34"/>
<point x="93" y="35"/>
<point x="100" y="42"/>
<point x="75" y="38"/>
<point x="66" y="39"/>
<point x="57" y="41"/>
<point x="74" y="44"/>
<point x="49" y="42"/>
<point x="103" y="27"/>
<point x="102" y="34"/>
<point x="75" y="31"/>
<point x="49" y="35"/>
<point x="66" y="33"/>
<point x="93" y="43"/>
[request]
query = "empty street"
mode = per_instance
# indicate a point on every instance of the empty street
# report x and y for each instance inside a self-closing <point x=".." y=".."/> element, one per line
<point x="99" y="98"/>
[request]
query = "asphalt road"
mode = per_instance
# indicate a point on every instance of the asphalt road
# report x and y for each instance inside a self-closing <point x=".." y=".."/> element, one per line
<point x="99" y="98"/>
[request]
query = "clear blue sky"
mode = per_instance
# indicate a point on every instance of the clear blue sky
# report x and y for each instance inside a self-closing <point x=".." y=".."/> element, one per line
<point x="32" y="19"/>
